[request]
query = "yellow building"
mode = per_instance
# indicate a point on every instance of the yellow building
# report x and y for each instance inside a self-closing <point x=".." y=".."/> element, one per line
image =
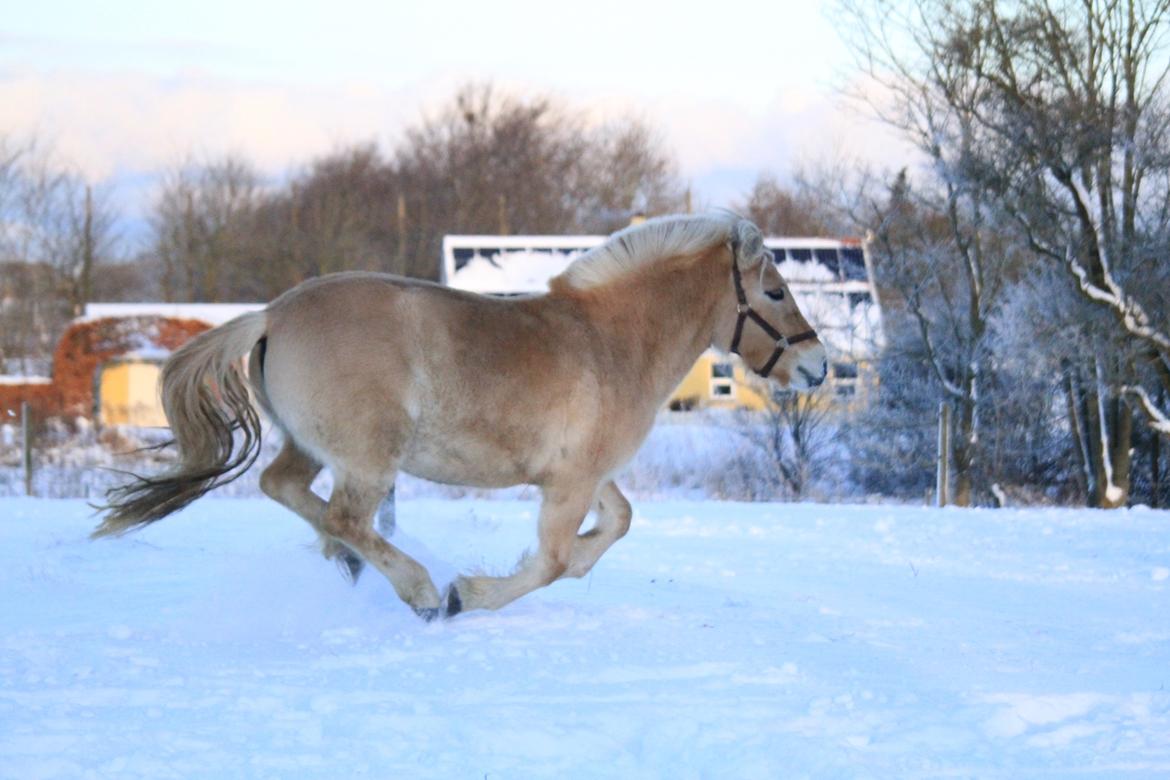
<point x="717" y="381"/>
<point x="125" y="386"/>
<point x="127" y="394"/>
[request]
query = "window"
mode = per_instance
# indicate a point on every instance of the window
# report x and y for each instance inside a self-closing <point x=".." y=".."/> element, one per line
<point x="845" y="370"/>
<point x="722" y="380"/>
<point x="800" y="255"/>
<point x="828" y="258"/>
<point x="857" y="299"/>
<point x="463" y="256"/>
<point x="853" y="263"/>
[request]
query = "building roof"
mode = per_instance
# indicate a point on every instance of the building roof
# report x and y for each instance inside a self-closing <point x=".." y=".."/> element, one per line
<point x="828" y="276"/>
<point x="211" y="313"/>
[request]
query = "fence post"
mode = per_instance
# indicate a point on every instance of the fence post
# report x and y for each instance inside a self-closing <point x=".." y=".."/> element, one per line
<point x="943" y="478"/>
<point x="26" y="446"/>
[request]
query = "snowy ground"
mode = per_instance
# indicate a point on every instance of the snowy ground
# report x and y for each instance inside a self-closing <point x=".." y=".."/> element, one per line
<point x="716" y="640"/>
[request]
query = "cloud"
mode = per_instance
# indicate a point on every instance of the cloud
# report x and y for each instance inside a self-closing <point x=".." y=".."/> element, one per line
<point x="122" y="125"/>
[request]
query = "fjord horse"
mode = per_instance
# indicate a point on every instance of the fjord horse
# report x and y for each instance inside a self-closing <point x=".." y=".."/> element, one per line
<point x="371" y="374"/>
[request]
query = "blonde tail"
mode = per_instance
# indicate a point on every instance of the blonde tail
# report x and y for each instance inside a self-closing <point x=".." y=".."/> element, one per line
<point x="205" y="397"/>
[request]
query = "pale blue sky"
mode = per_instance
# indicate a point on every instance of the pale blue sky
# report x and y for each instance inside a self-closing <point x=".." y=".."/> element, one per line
<point x="124" y="89"/>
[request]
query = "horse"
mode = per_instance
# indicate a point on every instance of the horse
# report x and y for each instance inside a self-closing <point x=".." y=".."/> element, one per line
<point x="370" y="374"/>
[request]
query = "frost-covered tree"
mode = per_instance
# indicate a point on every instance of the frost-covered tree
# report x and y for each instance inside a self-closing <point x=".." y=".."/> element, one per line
<point x="1066" y="106"/>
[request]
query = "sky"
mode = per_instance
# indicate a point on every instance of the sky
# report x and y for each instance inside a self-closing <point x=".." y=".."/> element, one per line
<point x="125" y="90"/>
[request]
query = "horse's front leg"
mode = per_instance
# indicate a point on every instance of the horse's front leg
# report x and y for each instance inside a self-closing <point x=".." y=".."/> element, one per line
<point x="613" y="521"/>
<point x="562" y="511"/>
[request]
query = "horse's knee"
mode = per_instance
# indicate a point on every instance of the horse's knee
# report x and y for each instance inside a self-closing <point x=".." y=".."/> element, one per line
<point x="271" y="483"/>
<point x="622" y="520"/>
<point x="621" y="514"/>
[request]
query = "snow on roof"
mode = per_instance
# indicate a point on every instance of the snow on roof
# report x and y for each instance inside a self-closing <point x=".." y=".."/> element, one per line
<point x="25" y="380"/>
<point x="509" y="264"/>
<point x="211" y="313"/>
<point x="827" y="276"/>
<point x="522" y="271"/>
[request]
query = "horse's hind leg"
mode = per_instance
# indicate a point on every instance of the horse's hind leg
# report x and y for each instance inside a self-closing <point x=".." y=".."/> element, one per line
<point x="286" y="481"/>
<point x="349" y="517"/>
<point x="561" y="514"/>
<point x="613" y="521"/>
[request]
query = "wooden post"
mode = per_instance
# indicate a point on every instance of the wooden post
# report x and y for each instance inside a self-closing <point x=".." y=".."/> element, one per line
<point x="944" y="454"/>
<point x="1156" y="471"/>
<point x="401" y="269"/>
<point x="26" y="446"/>
<point x="387" y="512"/>
<point x="502" y="203"/>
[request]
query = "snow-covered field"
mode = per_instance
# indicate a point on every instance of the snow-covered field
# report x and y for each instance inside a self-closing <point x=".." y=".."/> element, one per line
<point x="716" y="640"/>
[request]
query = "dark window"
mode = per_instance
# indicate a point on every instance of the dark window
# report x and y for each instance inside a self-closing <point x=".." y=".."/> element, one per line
<point x="721" y="371"/>
<point x="800" y="255"/>
<point x="853" y="263"/>
<point x="856" y="299"/>
<point x="845" y="370"/>
<point x="845" y="391"/>
<point x="828" y="258"/>
<point x="721" y="389"/>
<point x="462" y="257"/>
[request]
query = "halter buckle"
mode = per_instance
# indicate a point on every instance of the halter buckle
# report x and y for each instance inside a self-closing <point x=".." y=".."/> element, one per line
<point x="742" y="308"/>
<point x="782" y="342"/>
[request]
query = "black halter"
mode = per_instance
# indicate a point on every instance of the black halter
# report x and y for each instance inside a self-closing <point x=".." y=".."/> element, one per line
<point x="745" y="312"/>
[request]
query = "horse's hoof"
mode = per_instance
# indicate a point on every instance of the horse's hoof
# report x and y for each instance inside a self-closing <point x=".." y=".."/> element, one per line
<point x="351" y="567"/>
<point x="426" y="613"/>
<point x="454" y="603"/>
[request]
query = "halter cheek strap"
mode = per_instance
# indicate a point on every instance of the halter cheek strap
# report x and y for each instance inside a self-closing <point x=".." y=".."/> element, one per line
<point x="745" y="312"/>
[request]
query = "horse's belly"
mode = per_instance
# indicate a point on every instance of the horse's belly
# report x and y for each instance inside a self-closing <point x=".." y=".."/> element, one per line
<point x="466" y="464"/>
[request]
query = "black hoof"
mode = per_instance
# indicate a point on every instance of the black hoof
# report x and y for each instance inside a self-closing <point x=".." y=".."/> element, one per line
<point x="427" y="613"/>
<point x="351" y="567"/>
<point x="454" y="603"/>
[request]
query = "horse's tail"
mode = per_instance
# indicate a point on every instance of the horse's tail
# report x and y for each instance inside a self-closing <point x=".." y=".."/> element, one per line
<point x="205" y="397"/>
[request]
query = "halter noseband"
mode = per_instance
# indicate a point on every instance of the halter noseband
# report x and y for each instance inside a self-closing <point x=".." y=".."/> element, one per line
<point x="744" y="312"/>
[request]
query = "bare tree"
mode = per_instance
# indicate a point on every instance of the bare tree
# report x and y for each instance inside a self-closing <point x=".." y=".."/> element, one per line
<point x="788" y="211"/>
<point x="795" y="434"/>
<point x="51" y="221"/>
<point x="201" y="227"/>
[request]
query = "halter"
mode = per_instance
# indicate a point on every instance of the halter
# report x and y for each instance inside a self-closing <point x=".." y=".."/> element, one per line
<point x="744" y="312"/>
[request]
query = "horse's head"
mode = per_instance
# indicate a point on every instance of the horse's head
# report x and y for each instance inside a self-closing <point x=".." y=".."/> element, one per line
<point x="763" y="324"/>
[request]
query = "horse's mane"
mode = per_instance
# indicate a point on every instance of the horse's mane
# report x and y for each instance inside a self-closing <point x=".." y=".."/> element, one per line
<point x="638" y="245"/>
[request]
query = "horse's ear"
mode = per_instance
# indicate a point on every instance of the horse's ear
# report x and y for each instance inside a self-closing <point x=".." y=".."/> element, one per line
<point x="750" y="243"/>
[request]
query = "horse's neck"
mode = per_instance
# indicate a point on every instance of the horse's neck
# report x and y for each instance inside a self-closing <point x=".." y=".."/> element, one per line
<point x="659" y="321"/>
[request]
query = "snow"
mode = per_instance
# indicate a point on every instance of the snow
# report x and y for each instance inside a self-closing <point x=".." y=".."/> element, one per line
<point x="511" y="272"/>
<point x="9" y="379"/>
<point x="715" y="640"/>
<point x="211" y="313"/>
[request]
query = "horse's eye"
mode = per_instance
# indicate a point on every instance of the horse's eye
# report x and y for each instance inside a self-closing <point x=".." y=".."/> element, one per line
<point x="776" y="295"/>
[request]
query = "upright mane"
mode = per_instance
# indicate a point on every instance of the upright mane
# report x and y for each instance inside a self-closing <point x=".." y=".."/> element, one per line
<point x="638" y="245"/>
